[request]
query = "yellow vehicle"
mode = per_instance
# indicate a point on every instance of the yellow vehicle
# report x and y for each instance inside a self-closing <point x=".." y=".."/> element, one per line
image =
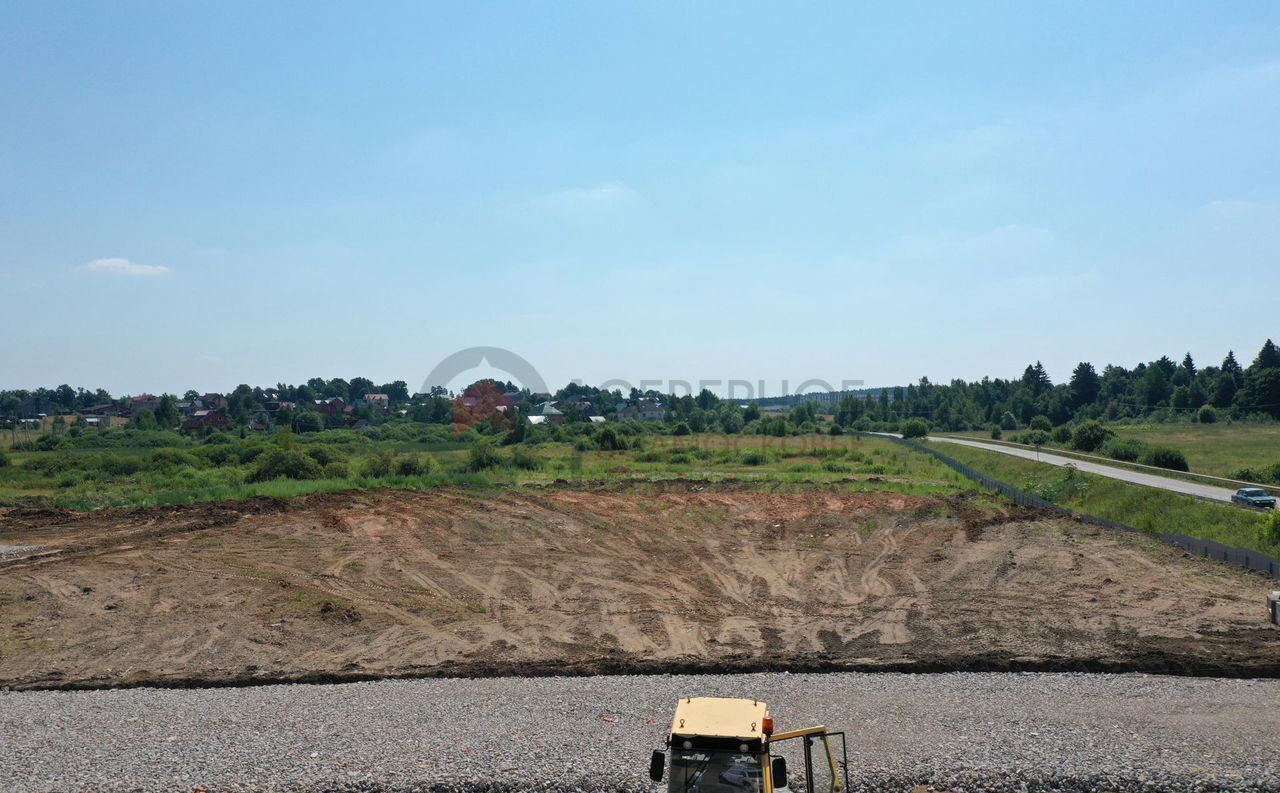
<point x="729" y="746"/>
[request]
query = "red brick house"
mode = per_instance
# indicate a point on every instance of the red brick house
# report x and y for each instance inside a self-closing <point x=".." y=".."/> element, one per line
<point x="214" y="419"/>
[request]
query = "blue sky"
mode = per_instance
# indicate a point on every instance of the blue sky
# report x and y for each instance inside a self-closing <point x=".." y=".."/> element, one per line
<point x="199" y="196"/>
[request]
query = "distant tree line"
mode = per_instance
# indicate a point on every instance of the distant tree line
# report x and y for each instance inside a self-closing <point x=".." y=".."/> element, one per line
<point x="1157" y="390"/>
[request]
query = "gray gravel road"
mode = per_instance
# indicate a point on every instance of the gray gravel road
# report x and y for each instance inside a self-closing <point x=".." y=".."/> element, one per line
<point x="1014" y="732"/>
<point x="1136" y="477"/>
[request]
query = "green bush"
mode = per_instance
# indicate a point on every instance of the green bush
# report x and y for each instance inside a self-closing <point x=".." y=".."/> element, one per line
<point x="583" y="445"/>
<point x="1165" y="457"/>
<point x="324" y="455"/>
<point x="1207" y="415"/>
<point x="525" y="460"/>
<point x="483" y="457"/>
<point x="915" y="428"/>
<point x="414" y="465"/>
<point x="1042" y="423"/>
<point x="996" y="432"/>
<point x="336" y="471"/>
<point x="608" y="440"/>
<point x="682" y="429"/>
<point x="171" y="459"/>
<point x="4" y="459"/>
<point x="836" y="429"/>
<point x="284" y="464"/>
<point x="1035" y="438"/>
<point x="379" y="464"/>
<point x="119" y="465"/>
<point x="250" y="452"/>
<point x="217" y="455"/>
<point x="1007" y="422"/>
<point x="1061" y="435"/>
<point x="754" y="457"/>
<point x="1090" y="436"/>
<point x="1128" y="450"/>
<point x="1269" y="531"/>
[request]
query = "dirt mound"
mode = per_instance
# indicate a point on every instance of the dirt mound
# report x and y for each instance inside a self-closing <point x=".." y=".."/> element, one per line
<point x="678" y="577"/>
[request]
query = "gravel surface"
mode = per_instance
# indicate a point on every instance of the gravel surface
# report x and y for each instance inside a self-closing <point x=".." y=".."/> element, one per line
<point x="14" y="551"/>
<point x="1016" y="732"/>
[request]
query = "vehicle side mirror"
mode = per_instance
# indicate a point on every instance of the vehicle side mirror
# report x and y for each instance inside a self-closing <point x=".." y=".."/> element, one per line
<point x="657" y="764"/>
<point x="779" y="772"/>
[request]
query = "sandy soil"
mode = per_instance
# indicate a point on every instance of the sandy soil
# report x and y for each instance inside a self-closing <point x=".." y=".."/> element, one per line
<point x="533" y="581"/>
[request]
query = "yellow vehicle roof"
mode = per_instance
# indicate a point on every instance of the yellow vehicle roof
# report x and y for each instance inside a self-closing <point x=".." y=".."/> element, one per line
<point x="716" y="717"/>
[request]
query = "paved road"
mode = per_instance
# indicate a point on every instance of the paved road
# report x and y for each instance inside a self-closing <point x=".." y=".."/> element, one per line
<point x="1136" y="477"/>
<point x="997" y="732"/>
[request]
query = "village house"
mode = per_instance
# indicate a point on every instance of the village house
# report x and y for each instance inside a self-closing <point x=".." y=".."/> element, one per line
<point x="145" y="402"/>
<point x="644" y="410"/>
<point x="213" y="419"/>
<point x="333" y="406"/>
<point x="211" y="402"/>
<point x="546" y="413"/>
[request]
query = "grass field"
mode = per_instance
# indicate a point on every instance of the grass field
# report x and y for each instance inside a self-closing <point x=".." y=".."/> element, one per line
<point x="146" y="474"/>
<point x="1144" y="508"/>
<point x="1214" y="449"/>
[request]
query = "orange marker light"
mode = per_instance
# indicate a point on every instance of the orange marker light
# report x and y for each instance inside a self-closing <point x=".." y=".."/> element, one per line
<point x="767" y="725"/>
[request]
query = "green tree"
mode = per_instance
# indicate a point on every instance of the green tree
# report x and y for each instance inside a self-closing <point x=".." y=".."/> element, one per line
<point x="1232" y="367"/>
<point x="1036" y="380"/>
<point x="307" y="421"/>
<point x="1224" y="390"/>
<point x="1268" y="357"/>
<point x="1262" y="390"/>
<point x="359" y="386"/>
<point x="1188" y="365"/>
<point x="167" y="412"/>
<point x="1042" y="423"/>
<point x="1084" y="384"/>
<point x="1154" y="388"/>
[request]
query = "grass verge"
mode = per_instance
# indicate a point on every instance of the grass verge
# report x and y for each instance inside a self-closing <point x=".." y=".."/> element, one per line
<point x="1144" y="508"/>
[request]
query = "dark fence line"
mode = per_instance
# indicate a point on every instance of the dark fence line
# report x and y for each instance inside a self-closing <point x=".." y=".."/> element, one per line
<point x="1240" y="557"/>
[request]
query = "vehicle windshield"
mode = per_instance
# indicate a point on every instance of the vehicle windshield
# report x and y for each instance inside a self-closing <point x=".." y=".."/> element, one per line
<point x="1252" y="491"/>
<point x="715" y="772"/>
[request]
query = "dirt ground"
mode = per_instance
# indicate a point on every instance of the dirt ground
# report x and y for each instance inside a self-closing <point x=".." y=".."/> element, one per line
<point x="542" y="581"/>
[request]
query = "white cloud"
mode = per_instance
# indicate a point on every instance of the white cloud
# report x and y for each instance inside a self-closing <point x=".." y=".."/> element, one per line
<point x="124" y="267"/>
<point x="601" y="195"/>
